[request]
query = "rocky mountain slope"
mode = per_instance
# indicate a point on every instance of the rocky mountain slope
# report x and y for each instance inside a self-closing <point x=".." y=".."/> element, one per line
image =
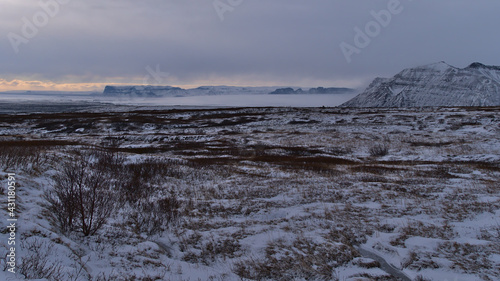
<point x="437" y="84"/>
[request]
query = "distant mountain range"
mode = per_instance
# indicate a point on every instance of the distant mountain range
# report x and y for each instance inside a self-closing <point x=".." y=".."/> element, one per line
<point x="168" y="91"/>
<point x="319" y="90"/>
<point x="437" y="84"/>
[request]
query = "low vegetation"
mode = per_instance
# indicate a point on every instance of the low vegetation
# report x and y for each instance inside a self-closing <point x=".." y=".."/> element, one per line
<point x="256" y="194"/>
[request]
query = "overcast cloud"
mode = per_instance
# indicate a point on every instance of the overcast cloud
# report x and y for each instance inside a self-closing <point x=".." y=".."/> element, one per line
<point x="259" y="42"/>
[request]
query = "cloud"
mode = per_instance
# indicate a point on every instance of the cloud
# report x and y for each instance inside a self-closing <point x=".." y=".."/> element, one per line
<point x="21" y="85"/>
<point x="279" y="42"/>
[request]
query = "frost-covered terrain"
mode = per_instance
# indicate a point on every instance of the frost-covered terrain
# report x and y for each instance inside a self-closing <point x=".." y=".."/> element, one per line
<point x="255" y="193"/>
<point x="54" y="99"/>
<point x="437" y="84"/>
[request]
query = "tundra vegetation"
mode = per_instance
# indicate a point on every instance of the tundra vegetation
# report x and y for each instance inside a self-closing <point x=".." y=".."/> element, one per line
<point x="255" y="193"/>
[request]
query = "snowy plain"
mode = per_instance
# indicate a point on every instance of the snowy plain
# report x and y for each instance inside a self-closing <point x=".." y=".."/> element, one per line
<point x="242" y="100"/>
<point x="265" y="193"/>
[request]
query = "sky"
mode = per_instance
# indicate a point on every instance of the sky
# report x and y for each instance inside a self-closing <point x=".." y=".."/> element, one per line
<point x="83" y="45"/>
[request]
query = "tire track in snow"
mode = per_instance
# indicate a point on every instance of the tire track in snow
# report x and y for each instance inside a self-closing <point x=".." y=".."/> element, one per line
<point x="384" y="265"/>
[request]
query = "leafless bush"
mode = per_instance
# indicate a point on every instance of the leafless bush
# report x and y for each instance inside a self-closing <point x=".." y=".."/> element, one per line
<point x="140" y="179"/>
<point x="82" y="197"/>
<point x="32" y="157"/>
<point x="36" y="263"/>
<point x="109" y="160"/>
<point x="152" y="217"/>
<point x="379" y="150"/>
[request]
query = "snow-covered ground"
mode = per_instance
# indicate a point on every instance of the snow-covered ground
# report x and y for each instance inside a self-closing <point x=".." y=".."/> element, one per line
<point x="261" y="193"/>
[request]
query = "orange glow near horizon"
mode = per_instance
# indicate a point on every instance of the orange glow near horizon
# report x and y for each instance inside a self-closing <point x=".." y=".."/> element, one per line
<point x="23" y="85"/>
<point x="36" y="85"/>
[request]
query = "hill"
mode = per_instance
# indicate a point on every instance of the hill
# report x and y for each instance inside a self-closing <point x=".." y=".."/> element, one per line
<point x="437" y="84"/>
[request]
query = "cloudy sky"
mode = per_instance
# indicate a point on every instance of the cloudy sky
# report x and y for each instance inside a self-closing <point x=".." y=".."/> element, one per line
<point x="85" y="44"/>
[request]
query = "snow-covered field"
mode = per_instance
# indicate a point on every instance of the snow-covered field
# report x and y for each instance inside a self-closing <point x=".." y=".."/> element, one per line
<point x="232" y="100"/>
<point x="256" y="193"/>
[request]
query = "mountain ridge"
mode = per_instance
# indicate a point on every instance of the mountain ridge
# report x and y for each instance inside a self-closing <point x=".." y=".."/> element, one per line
<point x="437" y="84"/>
<point x="169" y="91"/>
<point x="312" y="91"/>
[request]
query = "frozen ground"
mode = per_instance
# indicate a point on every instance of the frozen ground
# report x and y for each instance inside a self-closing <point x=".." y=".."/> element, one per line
<point x="233" y="100"/>
<point x="262" y="193"/>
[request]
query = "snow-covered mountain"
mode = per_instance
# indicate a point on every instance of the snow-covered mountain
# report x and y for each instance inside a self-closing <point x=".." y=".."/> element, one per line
<point x="437" y="84"/>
